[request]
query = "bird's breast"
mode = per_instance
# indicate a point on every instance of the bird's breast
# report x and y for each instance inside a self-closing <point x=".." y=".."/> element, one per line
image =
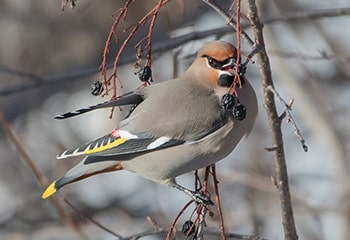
<point x="168" y="163"/>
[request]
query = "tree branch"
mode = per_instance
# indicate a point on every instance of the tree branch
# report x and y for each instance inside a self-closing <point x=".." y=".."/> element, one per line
<point x="307" y="15"/>
<point x="13" y="137"/>
<point x="290" y="232"/>
<point x="38" y="81"/>
<point x="213" y="4"/>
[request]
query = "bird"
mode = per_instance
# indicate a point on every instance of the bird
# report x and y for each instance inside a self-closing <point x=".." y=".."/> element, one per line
<point x="176" y="126"/>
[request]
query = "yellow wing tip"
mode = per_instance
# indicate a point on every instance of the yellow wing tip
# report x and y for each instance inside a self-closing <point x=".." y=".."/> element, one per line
<point x="51" y="189"/>
<point x="115" y="143"/>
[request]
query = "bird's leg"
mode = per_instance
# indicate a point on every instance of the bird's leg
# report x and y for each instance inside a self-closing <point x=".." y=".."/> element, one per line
<point x="198" y="196"/>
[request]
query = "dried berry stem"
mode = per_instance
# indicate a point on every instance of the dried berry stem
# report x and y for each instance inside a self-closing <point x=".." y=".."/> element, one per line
<point x="152" y="14"/>
<point x="218" y="203"/>
<point x="172" y="227"/>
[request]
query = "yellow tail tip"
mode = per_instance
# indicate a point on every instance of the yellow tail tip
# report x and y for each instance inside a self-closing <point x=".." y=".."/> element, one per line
<point x="49" y="190"/>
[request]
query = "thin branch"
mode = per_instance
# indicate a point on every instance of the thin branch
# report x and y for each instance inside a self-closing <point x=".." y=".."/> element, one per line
<point x="32" y="77"/>
<point x="134" y="29"/>
<point x="68" y="77"/>
<point x="11" y="134"/>
<point x="323" y="55"/>
<point x="234" y="235"/>
<point x="239" y="31"/>
<point x="154" y="232"/>
<point x="163" y="46"/>
<point x="288" y="223"/>
<point x="38" y="82"/>
<point x="211" y="232"/>
<point x="307" y="15"/>
<point x="201" y="214"/>
<point x="213" y="4"/>
<point x="93" y="221"/>
<point x="172" y="227"/>
<point x="218" y="203"/>
<point x="150" y="33"/>
<point x="287" y="113"/>
<point x="122" y="14"/>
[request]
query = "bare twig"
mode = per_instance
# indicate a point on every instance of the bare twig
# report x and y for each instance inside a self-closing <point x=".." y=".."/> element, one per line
<point x="323" y="55"/>
<point x="290" y="232"/>
<point x="11" y="134"/>
<point x="172" y="227"/>
<point x="238" y="42"/>
<point x="122" y="15"/>
<point x="307" y="15"/>
<point x="213" y="4"/>
<point x="154" y="223"/>
<point x="234" y="235"/>
<point x="150" y="33"/>
<point x="287" y="113"/>
<point x="166" y="45"/>
<point x="202" y="212"/>
<point x="201" y="209"/>
<point x="211" y="232"/>
<point x="37" y="81"/>
<point x="218" y="203"/>
<point x="93" y="221"/>
<point x="152" y="14"/>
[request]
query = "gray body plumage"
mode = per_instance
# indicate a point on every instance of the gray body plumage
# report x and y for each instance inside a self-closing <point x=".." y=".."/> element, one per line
<point x="177" y="126"/>
<point x="210" y="132"/>
<point x="166" y="164"/>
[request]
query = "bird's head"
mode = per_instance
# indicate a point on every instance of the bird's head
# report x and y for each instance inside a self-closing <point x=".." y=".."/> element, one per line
<point x="214" y="65"/>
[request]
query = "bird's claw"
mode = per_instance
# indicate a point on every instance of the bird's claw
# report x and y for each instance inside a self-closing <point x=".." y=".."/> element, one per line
<point x="202" y="198"/>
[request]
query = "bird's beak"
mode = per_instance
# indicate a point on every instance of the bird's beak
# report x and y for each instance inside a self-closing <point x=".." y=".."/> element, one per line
<point x="230" y="67"/>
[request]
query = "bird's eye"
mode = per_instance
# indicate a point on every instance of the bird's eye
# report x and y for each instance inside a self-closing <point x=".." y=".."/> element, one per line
<point x="219" y="64"/>
<point x="213" y="62"/>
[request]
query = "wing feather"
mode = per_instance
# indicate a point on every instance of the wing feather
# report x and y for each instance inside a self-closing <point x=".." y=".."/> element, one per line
<point x="126" y="99"/>
<point x="114" y="144"/>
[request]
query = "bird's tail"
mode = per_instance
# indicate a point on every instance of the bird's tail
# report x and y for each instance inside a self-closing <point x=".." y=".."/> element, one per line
<point x="81" y="171"/>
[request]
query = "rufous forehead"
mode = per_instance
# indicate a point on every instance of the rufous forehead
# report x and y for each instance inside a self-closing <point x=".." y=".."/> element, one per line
<point x="218" y="50"/>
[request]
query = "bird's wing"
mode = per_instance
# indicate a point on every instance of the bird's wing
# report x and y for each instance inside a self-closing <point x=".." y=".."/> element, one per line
<point x="161" y="120"/>
<point x="121" y="142"/>
<point x="126" y="99"/>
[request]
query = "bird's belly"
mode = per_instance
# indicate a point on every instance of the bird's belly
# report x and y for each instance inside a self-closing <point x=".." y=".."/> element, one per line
<point x="166" y="164"/>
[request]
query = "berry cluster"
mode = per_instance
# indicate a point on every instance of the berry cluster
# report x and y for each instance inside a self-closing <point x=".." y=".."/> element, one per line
<point x="238" y="110"/>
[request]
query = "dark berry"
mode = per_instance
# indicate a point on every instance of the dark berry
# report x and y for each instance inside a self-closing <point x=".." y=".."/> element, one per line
<point x="145" y="74"/>
<point x="241" y="69"/>
<point x="239" y="112"/>
<point x="96" y="88"/>
<point x="228" y="101"/>
<point x="188" y="228"/>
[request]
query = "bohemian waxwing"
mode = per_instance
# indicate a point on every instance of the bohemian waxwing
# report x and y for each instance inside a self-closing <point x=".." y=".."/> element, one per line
<point x="176" y="127"/>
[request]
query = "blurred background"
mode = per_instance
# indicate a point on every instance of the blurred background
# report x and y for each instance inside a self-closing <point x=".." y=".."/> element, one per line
<point x="49" y="58"/>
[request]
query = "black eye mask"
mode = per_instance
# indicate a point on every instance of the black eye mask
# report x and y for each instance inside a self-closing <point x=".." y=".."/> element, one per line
<point x="226" y="80"/>
<point x="220" y="65"/>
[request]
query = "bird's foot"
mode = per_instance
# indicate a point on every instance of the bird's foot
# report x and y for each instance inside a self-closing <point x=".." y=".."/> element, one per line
<point x="198" y="196"/>
<point x="202" y="198"/>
